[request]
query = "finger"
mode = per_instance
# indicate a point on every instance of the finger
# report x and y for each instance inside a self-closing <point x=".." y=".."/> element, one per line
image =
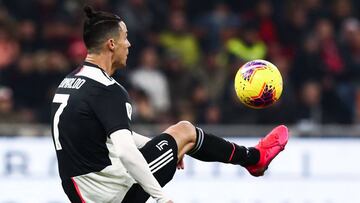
<point x="182" y="165"/>
<point x="179" y="167"/>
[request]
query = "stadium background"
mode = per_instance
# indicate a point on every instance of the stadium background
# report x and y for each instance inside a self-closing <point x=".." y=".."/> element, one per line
<point x="181" y="65"/>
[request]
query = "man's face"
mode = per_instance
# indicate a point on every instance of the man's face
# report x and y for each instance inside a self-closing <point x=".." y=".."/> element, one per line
<point x="122" y="47"/>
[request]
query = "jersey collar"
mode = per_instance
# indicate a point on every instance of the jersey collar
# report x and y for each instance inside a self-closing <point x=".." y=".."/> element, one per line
<point x="86" y="63"/>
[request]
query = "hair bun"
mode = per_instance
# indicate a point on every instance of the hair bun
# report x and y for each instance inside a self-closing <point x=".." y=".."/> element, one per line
<point x="89" y="11"/>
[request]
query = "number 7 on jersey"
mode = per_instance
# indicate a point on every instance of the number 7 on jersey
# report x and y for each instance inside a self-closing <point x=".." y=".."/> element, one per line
<point x="62" y="99"/>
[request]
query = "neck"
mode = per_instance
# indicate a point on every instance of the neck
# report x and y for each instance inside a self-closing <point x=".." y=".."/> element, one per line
<point x="103" y="61"/>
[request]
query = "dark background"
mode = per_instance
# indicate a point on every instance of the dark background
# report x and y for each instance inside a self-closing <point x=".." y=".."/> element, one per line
<point x="184" y="55"/>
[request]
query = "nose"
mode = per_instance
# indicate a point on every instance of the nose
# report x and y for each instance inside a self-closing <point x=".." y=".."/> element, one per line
<point x="128" y="44"/>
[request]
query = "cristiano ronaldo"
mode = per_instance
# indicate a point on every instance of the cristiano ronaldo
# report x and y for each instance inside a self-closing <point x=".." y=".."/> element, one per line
<point x="100" y="157"/>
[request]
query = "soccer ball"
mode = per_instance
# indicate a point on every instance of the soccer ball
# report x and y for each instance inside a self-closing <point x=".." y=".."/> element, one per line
<point x="258" y="84"/>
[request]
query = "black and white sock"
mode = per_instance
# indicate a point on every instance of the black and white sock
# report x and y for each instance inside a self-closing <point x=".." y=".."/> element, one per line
<point x="211" y="148"/>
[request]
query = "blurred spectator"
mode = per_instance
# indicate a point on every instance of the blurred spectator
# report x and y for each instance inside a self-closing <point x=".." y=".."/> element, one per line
<point x="149" y="78"/>
<point x="351" y="53"/>
<point x="200" y="102"/>
<point x="212" y="75"/>
<point x="307" y="64"/>
<point x="29" y="36"/>
<point x="293" y="26"/>
<point x="213" y="115"/>
<point x="248" y="46"/>
<point x="190" y="52"/>
<point x="143" y="112"/>
<point x="177" y="5"/>
<point x="76" y="52"/>
<point x="177" y="39"/>
<point x="56" y="34"/>
<point x="137" y="16"/>
<point x="185" y="111"/>
<point x="341" y="10"/>
<point x="9" y="45"/>
<point x="314" y="10"/>
<point x="330" y="52"/>
<point x="7" y="111"/>
<point x="205" y="111"/>
<point x="309" y="108"/>
<point x="139" y="20"/>
<point x="180" y="80"/>
<point x="264" y="18"/>
<point x="336" y="72"/>
<point x="6" y="103"/>
<point x="350" y="34"/>
<point x="23" y="80"/>
<point x="214" y="24"/>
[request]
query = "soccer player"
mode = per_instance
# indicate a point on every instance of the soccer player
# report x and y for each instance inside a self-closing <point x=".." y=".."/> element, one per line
<point x="100" y="158"/>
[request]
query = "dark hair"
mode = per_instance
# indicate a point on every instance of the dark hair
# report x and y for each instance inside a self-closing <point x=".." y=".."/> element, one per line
<point x="98" y="27"/>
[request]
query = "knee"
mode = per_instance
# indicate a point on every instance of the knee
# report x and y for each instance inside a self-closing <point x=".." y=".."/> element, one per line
<point x="183" y="130"/>
<point x="185" y="125"/>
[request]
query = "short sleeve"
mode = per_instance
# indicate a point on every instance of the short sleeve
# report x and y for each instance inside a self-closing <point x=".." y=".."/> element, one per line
<point x="112" y="108"/>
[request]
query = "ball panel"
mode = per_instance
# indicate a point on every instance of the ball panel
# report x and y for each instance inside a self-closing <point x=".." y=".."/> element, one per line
<point x="265" y="98"/>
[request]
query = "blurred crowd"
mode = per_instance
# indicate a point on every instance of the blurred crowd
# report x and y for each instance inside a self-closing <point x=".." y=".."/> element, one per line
<point x="184" y="56"/>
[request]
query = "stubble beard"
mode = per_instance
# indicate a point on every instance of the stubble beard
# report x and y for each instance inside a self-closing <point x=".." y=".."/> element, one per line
<point x="120" y="64"/>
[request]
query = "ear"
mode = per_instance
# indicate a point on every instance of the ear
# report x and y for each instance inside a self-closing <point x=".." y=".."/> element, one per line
<point x="111" y="44"/>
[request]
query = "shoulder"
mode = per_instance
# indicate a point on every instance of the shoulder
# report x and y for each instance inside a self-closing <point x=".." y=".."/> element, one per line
<point x="92" y="86"/>
<point x="101" y="81"/>
<point x="95" y="74"/>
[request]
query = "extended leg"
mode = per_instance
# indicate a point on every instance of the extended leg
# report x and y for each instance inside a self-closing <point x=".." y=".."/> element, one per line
<point x="206" y="147"/>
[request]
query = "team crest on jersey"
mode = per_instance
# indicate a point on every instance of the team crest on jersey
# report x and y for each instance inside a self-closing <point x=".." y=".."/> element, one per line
<point x="161" y="144"/>
<point x="128" y="110"/>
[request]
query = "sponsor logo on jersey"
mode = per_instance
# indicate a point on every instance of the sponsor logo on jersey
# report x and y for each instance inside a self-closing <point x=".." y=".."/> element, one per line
<point x="128" y="110"/>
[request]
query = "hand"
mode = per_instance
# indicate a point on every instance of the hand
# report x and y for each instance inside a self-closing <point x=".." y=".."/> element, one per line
<point x="180" y="164"/>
